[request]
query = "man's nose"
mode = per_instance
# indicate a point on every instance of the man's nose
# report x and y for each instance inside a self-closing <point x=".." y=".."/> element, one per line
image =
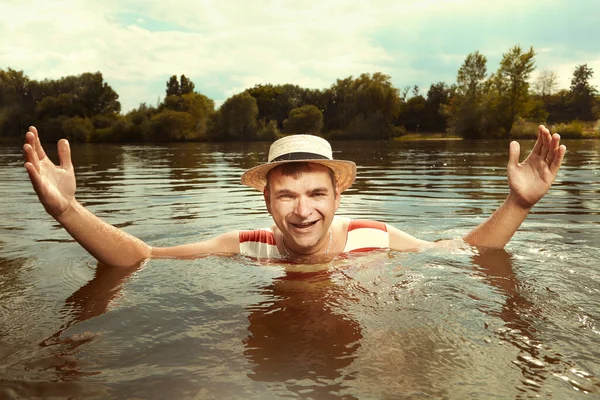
<point x="303" y="207"/>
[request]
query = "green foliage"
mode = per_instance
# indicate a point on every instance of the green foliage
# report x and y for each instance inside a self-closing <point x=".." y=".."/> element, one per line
<point x="489" y="106"/>
<point x="75" y="99"/>
<point x="365" y="107"/>
<point x="135" y="126"/>
<point x="535" y="109"/>
<point x="420" y="114"/>
<point x="186" y="85"/>
<point x="523" y="129"/>
<point x="78" y="129"/>
<point x="413" y="113"/>
<point x="305" y="119"/>
<point x="572" y="130"/>
<point x="438" y="96"/>
<point x="509" y="94"/>
<point x="238" y="118"/>
<point x="267" y="131"/>
<point x="582" y="101"/>
<point x="52" y="128"/>
<point x="466" y="109"/>
<point x="557" y="106"/>
<point x="16" y="102"/>
<point x="276" y="101"/>
<point x="173" y="88"/>
<point x="179" y="87"/>
<point x="472" y="75"/>
<point x="88" y="93"/>
<point x="85" y="108"/>
<point x="183" y="115"/>
<point x="169" y="125"/>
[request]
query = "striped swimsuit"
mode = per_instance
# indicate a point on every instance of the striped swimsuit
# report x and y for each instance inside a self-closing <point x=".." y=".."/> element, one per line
<point x="363" y="235"/>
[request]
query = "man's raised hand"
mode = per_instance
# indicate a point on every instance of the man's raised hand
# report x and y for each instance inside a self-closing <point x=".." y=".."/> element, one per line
<point x="54" y="185"/>
<point x="530" y="180"/>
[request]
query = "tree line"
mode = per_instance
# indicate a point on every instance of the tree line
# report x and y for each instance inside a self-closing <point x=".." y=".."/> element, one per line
<point x="479" y="104"/>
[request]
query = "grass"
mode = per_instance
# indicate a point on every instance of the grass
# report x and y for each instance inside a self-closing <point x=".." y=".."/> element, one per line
<point x="572" y="130"/>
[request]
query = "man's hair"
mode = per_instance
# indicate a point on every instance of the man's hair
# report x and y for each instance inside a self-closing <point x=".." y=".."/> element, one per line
<point x="295" y="170"/>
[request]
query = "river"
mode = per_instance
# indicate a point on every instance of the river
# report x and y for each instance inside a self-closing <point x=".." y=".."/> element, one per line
<point x="517" y="323"/>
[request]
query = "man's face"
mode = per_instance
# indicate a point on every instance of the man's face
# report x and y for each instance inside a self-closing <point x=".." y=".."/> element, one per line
<point x="303" y="207"/>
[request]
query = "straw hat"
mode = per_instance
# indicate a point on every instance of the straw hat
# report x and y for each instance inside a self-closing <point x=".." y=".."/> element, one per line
<point x="301" y="148"/>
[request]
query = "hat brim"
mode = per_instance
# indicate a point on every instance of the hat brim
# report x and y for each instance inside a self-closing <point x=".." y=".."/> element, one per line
<point x="344" y="172"/>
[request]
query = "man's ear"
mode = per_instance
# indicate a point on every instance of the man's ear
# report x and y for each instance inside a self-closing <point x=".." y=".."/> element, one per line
<point x="267" y="199"/>
<point x="338" y="198"/>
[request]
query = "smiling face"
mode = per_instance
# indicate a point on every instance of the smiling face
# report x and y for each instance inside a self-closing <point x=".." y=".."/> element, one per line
<point x="302" y="202"/>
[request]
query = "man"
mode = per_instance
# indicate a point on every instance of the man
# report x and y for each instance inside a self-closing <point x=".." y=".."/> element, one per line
<point x="301" y="184"/>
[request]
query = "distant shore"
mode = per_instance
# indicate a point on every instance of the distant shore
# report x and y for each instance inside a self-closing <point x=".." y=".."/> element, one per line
<point x="427" y="136"/>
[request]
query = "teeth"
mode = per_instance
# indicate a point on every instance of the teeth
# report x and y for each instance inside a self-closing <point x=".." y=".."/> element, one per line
<point x="306" y="224"/>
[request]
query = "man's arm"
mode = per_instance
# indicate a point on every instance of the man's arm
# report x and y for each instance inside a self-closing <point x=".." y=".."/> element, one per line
<point x="528" y="182"/>
<point x="55" y="187"/>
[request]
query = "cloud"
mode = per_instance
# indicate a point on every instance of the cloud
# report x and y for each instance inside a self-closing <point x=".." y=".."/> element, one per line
<point x="227" y="46"/>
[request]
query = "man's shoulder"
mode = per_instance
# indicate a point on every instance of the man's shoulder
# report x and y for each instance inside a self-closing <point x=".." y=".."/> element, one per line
<point x="351" y="224"/>
<point x="366" y="224"/>
<point x="366" y="235"/>
<point x="264" y="235"/>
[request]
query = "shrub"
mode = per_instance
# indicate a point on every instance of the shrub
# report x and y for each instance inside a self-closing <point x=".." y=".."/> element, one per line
<point x="522" y="129"/>
<point x="571" y="130"/>
<point x="399" y="130"/>
<point x="78" y="129"/>
<point x="267" y="131"/>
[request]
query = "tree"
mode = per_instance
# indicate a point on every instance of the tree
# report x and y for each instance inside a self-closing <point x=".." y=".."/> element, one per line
<point x="412" y="113"/>
<point x="201" y="109"/>
<point x="545" y="84"/>
<point x="270" y="101"/>
<point x="471" y="75"/>
<point x="582" y="99"/>
<point x="16" y="103"/>
<point x="173" y="88"/>
<point x="96" y="95"/>
<point x="404" y="93"/>
<point x="78" y="129"/>
<point x="139" y="123"/>
<point x="169" y="125"/>
<point x="438" y="96"/>
<point x="365" y="107"/>
<point x="186" y="85"/>
<point x="305" y="119"/>
<point x="465" y="112"/>
<point x="511" y="87"/>
<point x="238" y="118"/>
<point x="88" y="94"/>
<point x="276" y="101"/>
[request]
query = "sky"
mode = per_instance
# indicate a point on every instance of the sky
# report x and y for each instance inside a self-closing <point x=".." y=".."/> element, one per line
<point x="227" y="46"/>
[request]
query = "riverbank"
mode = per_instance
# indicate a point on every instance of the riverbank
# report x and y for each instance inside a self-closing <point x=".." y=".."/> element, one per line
<point x="427" y="136"/>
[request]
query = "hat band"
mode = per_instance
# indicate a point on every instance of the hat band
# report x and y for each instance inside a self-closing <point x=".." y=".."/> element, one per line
<point x="300" y="156"/>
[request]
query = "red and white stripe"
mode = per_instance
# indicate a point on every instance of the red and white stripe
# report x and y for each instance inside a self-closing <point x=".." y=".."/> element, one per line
<point x="259" y="243"/>
<point x="366" y="235"/>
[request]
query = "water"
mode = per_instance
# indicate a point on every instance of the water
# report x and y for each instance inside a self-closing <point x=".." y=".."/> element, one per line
<point x="518" y="323"/>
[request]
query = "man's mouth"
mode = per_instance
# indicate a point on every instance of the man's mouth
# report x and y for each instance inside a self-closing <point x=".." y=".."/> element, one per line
<point x="304" y="225"/>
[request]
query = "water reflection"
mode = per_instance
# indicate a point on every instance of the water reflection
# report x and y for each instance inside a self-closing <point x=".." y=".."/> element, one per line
<point x="96" y="169"/>
<point x="52" y="372"/>
<point x="522" y="317"/>
<point x="92" y="299"/>
<point x="299" y="337"/>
